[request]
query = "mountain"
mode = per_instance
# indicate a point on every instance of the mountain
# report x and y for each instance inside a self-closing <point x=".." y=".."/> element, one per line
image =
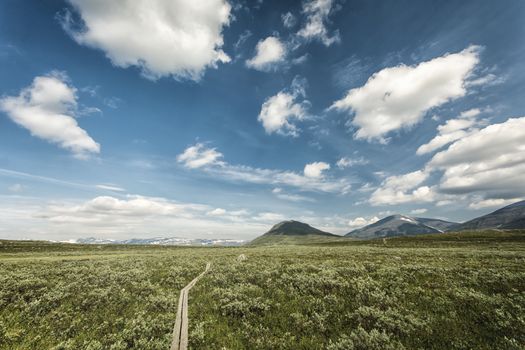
<point x="509" y="217"/>
<point x="162" y="241"/>
<point x="401" y="225"/>
<point x="295" y="228"/>
<point x="441" y="225"/>
<point x="294" y="232"/>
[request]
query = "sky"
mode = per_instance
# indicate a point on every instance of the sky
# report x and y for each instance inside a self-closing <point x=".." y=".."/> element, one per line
<point x="220" y="118"/>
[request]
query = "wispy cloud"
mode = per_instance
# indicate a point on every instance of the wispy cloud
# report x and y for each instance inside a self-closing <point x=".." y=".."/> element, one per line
<point x="454" y="129"/>
<point x="209" y="161"/>
<point x="198" y="156"/>
<point x="110" y="188"/>
<point x="269" y="53"/>
<point x="16" y="188"/>
<point x="347" y="162"/>
<point x="52" y="180"/>
<point x="288" y="20"/>
<point x="55" y="181"/>
<point x="281" y="194"/>
<point x="317" y="13"/>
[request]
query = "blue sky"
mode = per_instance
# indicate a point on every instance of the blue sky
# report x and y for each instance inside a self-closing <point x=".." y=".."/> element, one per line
<point x="219" y="119"/>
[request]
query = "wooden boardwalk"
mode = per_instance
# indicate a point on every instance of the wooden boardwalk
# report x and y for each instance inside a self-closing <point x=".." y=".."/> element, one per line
<point x="180" y="331"/>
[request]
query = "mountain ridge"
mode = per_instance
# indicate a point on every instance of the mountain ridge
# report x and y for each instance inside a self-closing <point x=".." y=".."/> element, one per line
<point x="510" y="216"/>
<point x="400" y="225"/>
<point x="295" y="232"/>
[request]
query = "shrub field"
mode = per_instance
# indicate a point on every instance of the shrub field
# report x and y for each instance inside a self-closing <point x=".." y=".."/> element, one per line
<point x="454" y="291"/>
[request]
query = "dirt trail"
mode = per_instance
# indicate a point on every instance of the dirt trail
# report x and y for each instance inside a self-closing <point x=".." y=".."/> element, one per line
<point x="180" y="331"/>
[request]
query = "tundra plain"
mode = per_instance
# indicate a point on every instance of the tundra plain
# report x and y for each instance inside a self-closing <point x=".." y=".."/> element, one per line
<point x="446" y="291"/>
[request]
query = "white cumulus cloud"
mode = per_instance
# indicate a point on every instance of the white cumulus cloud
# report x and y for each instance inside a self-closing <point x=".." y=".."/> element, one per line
<point x="361" y="221"/>
<point x="103" y="207"/>
<point x="178" y="38"/>
<point x="278" y="112"/>
<point x="403" y="189"/>
<point x="399" y="97"/>
<point x="484" y="167"/>
<point x="490" y="161"/>
<point x="132" y="216"/>
<point x="315" y="169"/>
<point x="48" y="108"/>
<point x="269" y="52"/>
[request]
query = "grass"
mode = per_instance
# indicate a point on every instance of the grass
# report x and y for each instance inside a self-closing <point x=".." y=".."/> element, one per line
<point x="453" y="291"/>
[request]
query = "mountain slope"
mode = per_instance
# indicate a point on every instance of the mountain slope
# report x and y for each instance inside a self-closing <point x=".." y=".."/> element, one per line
<point x="400" y="225"/>
<point x="441" y="225"/>
<point x="509" y="217"/>
<point x="295" y="228"/>
<point x="293" y="232"/>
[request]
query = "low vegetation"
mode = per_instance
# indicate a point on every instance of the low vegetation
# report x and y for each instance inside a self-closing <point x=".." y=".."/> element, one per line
<point x="297" y="240"/>
<point x="90" y="297"/>
<point x="453" y="291"/>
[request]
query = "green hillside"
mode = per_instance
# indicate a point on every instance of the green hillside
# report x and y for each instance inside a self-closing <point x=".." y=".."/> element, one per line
<point x="307" y="239"/>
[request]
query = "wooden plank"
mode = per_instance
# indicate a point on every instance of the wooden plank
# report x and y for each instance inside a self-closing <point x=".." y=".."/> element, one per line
<point x="180" y="330"/>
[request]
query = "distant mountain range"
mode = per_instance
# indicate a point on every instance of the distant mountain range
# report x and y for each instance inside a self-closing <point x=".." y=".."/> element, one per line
<point x="295" y="232"/>
<point x="163" y="241"/>
<point x="401" y="225"/>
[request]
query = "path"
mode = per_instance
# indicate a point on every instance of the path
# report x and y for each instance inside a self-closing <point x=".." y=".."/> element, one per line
<point x="180" y="332"/>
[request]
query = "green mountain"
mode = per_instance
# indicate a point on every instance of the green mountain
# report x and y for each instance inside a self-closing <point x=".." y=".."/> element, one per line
<point x="294" y="232"/>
